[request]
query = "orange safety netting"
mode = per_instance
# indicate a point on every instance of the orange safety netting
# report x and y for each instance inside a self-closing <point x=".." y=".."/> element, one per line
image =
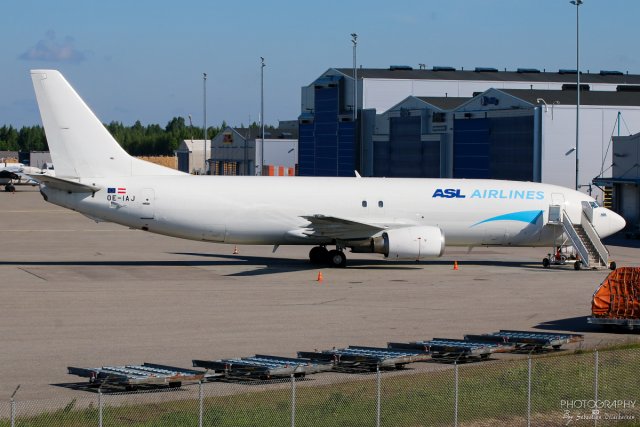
<point x="618" y="297"/>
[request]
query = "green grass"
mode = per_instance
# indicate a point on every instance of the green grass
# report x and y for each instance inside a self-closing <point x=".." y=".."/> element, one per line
<point x="492" y="393"/>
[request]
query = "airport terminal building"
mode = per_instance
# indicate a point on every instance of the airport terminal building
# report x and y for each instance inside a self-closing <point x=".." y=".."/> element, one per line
<point x="480" y="123"/>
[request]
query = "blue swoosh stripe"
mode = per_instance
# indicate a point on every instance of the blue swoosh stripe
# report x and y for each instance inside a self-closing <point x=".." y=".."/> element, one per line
<point x="523" y="216"/>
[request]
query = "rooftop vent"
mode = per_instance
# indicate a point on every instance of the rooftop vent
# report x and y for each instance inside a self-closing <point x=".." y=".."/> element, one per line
<point x="443" y="68"/>
<point x="610" y="73"/>
<point x="400" y="68"/>
<point x="567" y="71"/>
<point x="573" y="86"/>
<point x="486" y="70"/>
<point x="628" y="88"/>
<point x="528" y="70"/>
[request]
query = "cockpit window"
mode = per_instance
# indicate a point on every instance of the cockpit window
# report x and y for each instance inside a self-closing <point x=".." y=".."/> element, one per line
<point x="594" y="204"/>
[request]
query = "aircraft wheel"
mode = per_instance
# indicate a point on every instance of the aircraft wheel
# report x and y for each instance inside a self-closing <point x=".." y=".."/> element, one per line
<point x="546" y="263"/>
<point x="337" y="259"/>
<point x="612" y="265"/>
<point x="577" y="265"/>
<point x="318" y="255"/>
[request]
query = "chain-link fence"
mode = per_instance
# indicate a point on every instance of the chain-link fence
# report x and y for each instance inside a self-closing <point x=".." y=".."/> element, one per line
<point x="590" y="388"/>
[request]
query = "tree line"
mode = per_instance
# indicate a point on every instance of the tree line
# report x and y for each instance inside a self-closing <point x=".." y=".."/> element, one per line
<point x="137" y="140"/>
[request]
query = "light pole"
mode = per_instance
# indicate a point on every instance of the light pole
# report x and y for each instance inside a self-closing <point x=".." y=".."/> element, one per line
<point x="354" y="40"/>
<point x="577" y="3"/>
<point x="204" y="80"/>
<point x="191" y="126"/>
<point x="262" y="65"/>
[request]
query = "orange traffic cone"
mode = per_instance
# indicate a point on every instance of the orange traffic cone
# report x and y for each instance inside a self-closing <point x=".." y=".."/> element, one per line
<point x="319" y="276"/>
<point x="455" y="265"/>
<point x="235" y="250"/>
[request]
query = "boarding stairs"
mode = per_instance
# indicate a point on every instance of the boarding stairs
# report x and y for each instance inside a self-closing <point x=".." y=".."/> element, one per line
<point x="584" y="238"/>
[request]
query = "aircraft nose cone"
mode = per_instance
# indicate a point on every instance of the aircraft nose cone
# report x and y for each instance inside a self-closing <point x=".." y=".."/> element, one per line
<point x="617" y="223"/>
<point x="608" y="222"/>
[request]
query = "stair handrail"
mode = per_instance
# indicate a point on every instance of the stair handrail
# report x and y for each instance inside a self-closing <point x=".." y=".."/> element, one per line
<point x="575" y="239"/>
<point x="593" y="235"/>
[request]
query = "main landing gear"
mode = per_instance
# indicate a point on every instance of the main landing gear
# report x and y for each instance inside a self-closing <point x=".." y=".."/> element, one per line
<point x="321" y="255"/>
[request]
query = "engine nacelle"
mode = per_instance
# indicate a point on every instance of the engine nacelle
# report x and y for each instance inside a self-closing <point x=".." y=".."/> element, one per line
<point x="413" y="243"/>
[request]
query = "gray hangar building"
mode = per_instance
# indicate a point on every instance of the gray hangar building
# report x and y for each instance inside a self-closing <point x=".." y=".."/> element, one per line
<point x="479" y="123"/>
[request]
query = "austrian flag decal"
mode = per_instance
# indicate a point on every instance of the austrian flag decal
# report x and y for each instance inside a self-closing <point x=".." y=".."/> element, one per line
<point x="119" y="194"/>
<point x="119" y="190"/>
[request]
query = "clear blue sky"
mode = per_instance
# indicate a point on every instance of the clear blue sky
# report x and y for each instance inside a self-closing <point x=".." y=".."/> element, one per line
<point x="143" y="60"/>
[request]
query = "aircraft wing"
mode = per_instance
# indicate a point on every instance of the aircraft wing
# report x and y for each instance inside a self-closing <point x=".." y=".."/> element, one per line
<point x="339" y="228"/>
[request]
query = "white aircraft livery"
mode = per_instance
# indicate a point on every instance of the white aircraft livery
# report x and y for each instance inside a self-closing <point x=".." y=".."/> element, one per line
<point x="401" y="218"/>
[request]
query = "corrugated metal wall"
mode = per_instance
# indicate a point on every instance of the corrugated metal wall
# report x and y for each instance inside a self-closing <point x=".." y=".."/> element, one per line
<point x="496" y="148"/>
<point x="327" y="138"/>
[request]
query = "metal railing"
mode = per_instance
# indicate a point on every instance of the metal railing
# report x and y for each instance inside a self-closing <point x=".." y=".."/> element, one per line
<point x="575" y="239"/>
<point x="600" y="248"/>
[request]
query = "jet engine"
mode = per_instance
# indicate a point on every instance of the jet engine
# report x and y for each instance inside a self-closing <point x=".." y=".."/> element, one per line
<point x="413" y="243"/>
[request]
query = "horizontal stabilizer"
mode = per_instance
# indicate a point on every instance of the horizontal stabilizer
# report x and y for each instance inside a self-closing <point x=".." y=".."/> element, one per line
<point x="64" y="184"/>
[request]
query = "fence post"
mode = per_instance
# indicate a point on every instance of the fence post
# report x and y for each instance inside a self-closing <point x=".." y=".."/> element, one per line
<point x="201" y="403"/>
<point x="13" y="406"/>
<point x="595" y="382"/>
<point x="293" y="401"/>
<point x="378" y="386"/>
<point x="455" y="404"/>
<point x="529" y="391"/>
<point x="100" y="406"/>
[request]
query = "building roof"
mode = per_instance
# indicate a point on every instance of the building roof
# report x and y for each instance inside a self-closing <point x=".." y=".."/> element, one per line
<point x="269" y="133"/>
<point x="8" y="155"/>
<point x="444" y="102"/>
<point x="562" y="76"/>
<point x="568" y="97"/>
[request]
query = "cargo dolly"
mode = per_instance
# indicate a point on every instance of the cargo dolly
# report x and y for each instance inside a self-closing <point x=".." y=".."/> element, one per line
<point x="261" y="367"/>
<point x="526" y="342"/>
<point x="134" y="376"/>
<point x="365" y="359"/>
<point x="446" y="349"/>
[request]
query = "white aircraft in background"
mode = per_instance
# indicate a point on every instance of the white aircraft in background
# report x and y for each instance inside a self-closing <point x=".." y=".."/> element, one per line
<point x="400" y="218"/>
<point x="12" y="174"/>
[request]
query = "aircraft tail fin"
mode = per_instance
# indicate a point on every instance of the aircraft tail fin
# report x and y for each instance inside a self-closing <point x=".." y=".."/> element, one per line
<point x="80" y="145"/>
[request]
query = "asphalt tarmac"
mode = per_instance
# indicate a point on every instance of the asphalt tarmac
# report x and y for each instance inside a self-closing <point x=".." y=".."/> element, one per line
<point x="78" y="293"/>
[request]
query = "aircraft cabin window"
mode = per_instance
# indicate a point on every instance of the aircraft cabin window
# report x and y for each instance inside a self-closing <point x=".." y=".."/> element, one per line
<point x="364" y="203"/>
<point x="380" y="204"/>
<point x="593" y="204"/>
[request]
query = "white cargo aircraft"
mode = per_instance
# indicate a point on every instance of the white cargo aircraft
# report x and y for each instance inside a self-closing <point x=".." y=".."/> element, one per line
<point x="400" y="218"/>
